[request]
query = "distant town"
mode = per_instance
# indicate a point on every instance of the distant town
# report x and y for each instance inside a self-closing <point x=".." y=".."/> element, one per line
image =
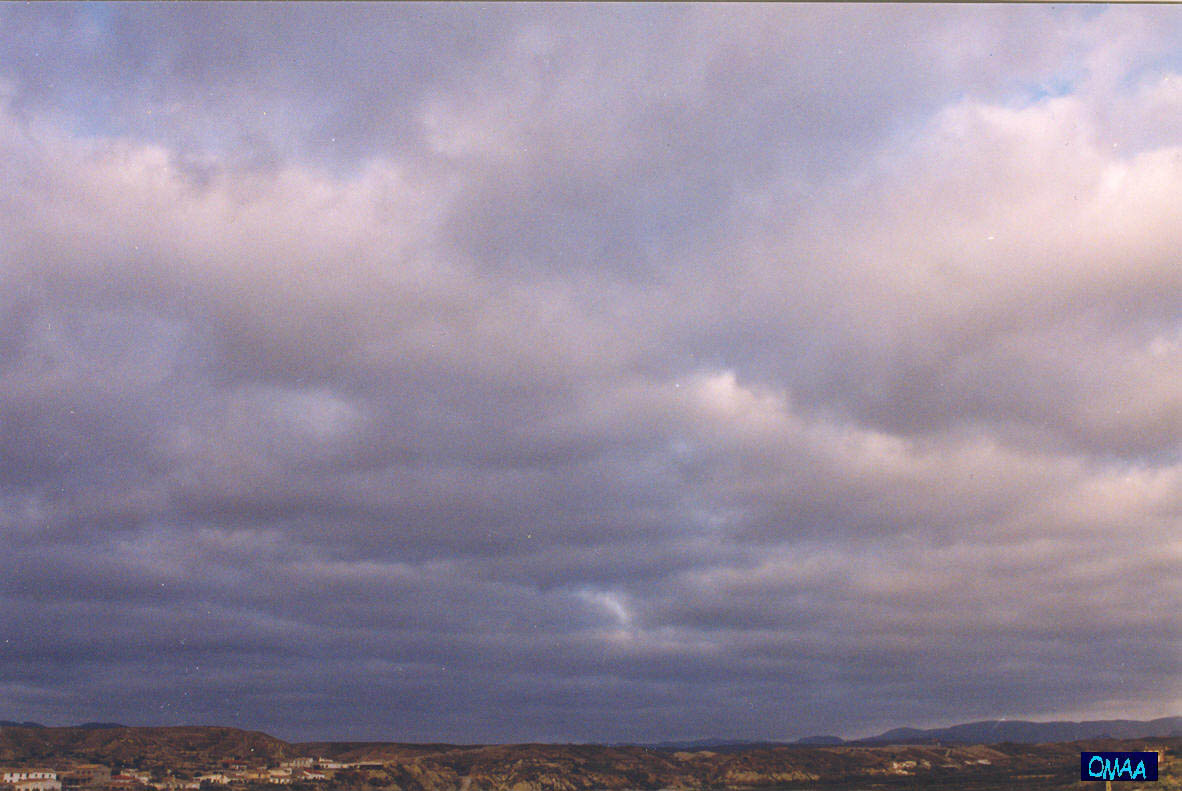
<point x="100" y="777"/>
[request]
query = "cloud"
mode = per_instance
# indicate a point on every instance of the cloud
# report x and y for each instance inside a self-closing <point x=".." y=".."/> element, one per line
<point x="752" y="371"/>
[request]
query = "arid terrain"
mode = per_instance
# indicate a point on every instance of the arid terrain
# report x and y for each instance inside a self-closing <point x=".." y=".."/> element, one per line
<point x="212" y="758"/>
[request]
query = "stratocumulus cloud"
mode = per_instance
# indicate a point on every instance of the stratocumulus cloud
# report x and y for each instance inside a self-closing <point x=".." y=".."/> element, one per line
<point x="589" y="373"/>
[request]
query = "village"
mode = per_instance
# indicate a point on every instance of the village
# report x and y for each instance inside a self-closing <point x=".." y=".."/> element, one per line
<point x="101" y="777"/>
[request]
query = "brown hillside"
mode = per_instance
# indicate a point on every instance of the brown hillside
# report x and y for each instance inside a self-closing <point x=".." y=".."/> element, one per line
<point x="556" y="767"/>
<point x="178" y="747"/>
<point x="534" y="767"/>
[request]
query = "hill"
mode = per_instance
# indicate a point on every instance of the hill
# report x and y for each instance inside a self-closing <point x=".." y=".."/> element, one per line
<point x="1023" y="732"/>
<point x="176" y="746"/>
<point x="582" y="767"/>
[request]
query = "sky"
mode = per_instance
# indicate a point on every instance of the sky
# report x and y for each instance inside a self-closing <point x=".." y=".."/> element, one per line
<point x="501" y="373"/>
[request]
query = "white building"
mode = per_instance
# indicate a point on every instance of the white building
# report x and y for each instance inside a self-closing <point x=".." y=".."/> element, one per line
<point x="17" y="775"/>
<point x="297" y="762"/>
<point x="217" y="778"/>
<point x="38" y="784"/>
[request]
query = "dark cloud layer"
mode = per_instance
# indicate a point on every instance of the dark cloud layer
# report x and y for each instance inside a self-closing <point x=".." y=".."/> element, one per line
<point x="442" y="372"/>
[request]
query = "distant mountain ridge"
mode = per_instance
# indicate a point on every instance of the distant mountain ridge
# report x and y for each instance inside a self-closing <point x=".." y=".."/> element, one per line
<point x="202" y="738"/>
<point x="719" y="744"/>
<point x="1026" y="732"/>
<point x="983" y="732"/>
<point x="820" y="741"/>
<point x="84" y="726"/>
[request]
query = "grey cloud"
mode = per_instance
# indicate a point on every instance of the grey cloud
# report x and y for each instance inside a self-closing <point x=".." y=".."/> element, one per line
<point x="750" y="371"/>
